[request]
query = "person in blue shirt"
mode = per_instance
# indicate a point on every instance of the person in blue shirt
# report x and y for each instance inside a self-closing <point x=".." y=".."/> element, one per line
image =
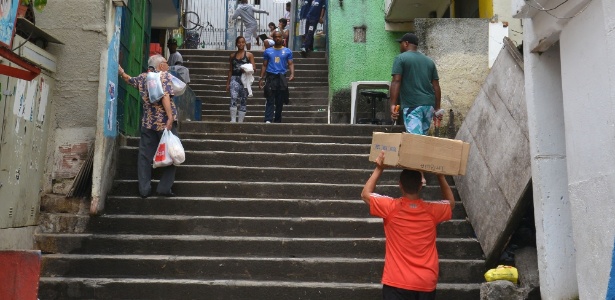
<point x="276" y="61"/>
<point x="315" y="14"/>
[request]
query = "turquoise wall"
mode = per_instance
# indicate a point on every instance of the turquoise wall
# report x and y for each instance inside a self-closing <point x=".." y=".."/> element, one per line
<point x="350" y="61"/>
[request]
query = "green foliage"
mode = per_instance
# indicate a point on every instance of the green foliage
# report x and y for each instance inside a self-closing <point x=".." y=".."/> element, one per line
<point x="38" y="4"/>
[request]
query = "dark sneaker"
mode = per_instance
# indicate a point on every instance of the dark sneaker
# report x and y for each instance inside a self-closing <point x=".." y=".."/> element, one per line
<point x="167" y="194"/>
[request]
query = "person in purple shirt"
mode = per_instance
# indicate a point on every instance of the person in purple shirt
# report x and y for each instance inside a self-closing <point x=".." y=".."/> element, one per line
<point x="276" y="61"/>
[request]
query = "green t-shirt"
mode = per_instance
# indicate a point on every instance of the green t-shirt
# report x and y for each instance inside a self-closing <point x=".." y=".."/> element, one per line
<point x="417" y="71"/>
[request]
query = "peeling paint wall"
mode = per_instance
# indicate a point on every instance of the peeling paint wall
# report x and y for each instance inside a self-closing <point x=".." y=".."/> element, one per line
<point x="22" y="148"/>
<point x="459" y="48"/>
<point x="81" y="25"/>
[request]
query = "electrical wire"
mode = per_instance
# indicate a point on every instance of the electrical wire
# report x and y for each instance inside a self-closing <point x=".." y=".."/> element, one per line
<point x="24" y="42"/>
<point x="578" y="13"/>
<point x="542" y="8"/>
<point x="548" y="11"/>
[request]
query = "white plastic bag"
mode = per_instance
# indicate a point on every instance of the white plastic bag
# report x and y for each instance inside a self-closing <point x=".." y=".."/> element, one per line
<point x="179" y="87"/>
<point x="154" y="86"/>
<point x="183" y="72"/>
<point x="247" y="77"/>
<point x="163" y="157"/>
<point x="176" y="150"/>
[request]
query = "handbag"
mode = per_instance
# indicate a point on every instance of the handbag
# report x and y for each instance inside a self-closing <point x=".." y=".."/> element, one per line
<point x="176" y="149"/>
<point x="179" y="87"/>
<point x="154" y="86"/>
<point x="163" y="157"/>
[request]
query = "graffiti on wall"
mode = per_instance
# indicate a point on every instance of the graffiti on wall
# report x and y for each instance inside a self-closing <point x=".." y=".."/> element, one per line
<point x="28" y="96"/>
<point x="8" y="14"/>
<point x="110" y="121"/>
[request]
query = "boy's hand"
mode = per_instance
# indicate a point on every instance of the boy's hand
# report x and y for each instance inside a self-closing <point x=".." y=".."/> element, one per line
<point x="380" y="160"/>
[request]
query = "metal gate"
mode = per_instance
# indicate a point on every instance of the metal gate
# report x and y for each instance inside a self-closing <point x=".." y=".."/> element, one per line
<point x="216" y="30"/>
<point x="135" y="36"/>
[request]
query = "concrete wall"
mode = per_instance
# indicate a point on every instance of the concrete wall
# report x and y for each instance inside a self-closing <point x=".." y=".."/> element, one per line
<point x="502" y="8"/>
<point x="17" y="238"/>
<point x="107" y="143"/>
<point x="587" y="44"/>
<point x="498" y="171"/>
<point x="459" y="48"/>
<point x="570" y="85"/>
<point x="81" y="25"/>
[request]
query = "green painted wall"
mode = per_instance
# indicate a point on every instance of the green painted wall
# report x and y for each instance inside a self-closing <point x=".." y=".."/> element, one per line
<point x="350" y="61"/>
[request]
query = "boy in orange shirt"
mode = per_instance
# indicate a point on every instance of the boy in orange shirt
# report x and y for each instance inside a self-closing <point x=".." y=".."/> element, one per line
<point x="411" y="260"/>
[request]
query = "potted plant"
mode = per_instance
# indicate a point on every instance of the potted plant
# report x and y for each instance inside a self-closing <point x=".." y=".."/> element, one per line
<point x="25" y="4"/>
<point x="25" y="8"/>
<point x="22" y="8"/>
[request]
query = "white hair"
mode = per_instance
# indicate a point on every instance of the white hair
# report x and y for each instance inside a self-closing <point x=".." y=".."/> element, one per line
<point x="155" y="60"/>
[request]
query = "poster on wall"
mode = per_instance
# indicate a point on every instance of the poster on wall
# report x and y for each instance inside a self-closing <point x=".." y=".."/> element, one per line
<point x="110" y="121"/>
<point x="8" y="16"/>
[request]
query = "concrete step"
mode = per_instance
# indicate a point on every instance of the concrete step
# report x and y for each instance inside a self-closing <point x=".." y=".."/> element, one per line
<point x="244" y="207"/>
<point x="197" y="245"/>
<point x="193" y="60"/>
<point x="272" y="190"/>
<point x="227" y="53"/>
<point x="205" y="91"/>
<point x="259" y="159"/>
<point x="258" y="104"/>
<point x="288" y="111"/>
<point x="278" y="137"/>
<point x="199" y="67"/>
<point x="271" y="174"/>
<point x="289" y="129"/>
<point x="315" y="71"/>
<point x="221" y="88"/>
<point x="261" y="119"/>
<point x="317" y="80"/>
<point x="292" y="227"/>
<point x="347" y="270"/>
<point x="257" y="146"/>
<point x="112" y="288"/>
<point x="259" y="99"/>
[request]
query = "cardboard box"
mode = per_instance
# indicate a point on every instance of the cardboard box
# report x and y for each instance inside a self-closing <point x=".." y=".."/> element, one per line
<point x="420" y="152"/>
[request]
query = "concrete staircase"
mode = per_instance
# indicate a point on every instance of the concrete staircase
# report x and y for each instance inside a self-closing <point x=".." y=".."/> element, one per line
<point x="308" y="92"/>
<point x="263" y="211"/>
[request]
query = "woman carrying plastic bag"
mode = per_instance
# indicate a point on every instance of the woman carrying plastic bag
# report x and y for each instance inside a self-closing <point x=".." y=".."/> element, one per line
<point x="158" y="115"/>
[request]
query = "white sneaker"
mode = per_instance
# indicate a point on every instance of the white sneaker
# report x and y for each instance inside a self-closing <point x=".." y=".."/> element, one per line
<point x="250" y="95"/>
<point x="267" y="122"/>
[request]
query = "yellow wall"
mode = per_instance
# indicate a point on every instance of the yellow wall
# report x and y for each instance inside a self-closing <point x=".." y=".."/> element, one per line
<point x="485" y="9"/>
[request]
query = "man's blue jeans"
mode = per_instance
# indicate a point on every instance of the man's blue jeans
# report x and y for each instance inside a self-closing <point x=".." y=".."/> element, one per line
<point x="310" y="28"/>
<point x="275" y="101"/>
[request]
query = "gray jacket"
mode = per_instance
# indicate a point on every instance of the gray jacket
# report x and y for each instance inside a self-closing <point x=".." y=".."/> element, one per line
<point x="246" y="12"/>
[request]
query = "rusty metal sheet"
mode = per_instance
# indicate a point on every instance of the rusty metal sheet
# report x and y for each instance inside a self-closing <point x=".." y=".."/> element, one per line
<point x="20" y="274"/>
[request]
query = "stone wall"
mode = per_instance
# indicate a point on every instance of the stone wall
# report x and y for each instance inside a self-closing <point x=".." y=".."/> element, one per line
<point x="82" y="26"/>
<point x="498" y="173"/>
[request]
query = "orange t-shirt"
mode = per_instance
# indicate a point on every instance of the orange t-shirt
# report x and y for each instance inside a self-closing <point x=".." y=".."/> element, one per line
<point x="411" y="259"/>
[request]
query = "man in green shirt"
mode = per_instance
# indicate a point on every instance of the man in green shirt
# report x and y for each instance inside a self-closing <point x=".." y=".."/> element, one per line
<point x="414" y="86"/>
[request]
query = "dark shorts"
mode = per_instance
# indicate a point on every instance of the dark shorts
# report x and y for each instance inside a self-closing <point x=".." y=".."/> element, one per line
<point x="393" y="293"/>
